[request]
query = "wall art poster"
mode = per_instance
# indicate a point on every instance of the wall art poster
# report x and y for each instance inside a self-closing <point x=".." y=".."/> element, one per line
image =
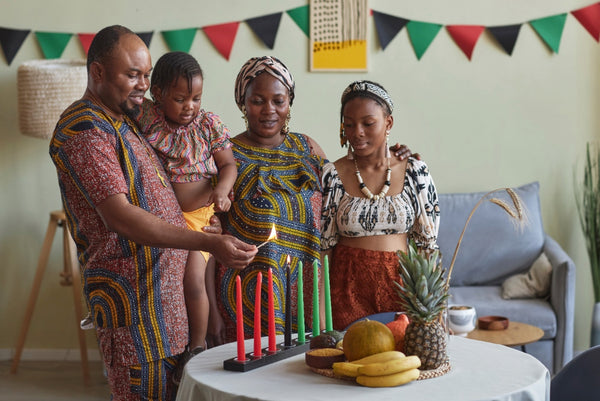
<point x="338" y="35"/>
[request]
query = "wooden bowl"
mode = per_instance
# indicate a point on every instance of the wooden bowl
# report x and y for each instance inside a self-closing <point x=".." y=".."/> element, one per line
<point x="492" y="323"/>
<point x="324" y="358"/>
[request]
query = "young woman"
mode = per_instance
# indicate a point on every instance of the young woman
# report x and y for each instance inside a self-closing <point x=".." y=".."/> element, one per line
<point x="373" y="204"/>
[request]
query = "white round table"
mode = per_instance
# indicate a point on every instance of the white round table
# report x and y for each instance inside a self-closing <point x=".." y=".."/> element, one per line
<point x="480" y="371"/>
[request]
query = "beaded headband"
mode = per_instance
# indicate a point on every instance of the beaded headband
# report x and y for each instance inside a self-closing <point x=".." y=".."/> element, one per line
<point x="373" y="89"/>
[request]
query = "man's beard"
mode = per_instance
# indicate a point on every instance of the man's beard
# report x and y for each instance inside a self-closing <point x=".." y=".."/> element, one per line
<point x="129" y="111"/>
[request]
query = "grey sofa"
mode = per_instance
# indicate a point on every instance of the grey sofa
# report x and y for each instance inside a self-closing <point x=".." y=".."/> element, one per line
<point x="492" y="250"/>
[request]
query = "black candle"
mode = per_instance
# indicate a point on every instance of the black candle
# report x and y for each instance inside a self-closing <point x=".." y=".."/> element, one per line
<point x="288" y="305"/>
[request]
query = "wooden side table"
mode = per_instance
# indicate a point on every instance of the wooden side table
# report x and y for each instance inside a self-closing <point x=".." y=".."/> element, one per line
<point x="517" y="334"/>
<point x="70" y="277"/>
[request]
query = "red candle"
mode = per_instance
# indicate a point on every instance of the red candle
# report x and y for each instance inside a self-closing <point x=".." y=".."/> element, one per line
<point x="272" y="342"/>
<point x="241" y="352"/>
<point x="257" y="316"/>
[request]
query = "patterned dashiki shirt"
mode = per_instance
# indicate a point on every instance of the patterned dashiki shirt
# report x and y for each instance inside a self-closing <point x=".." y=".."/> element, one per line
<point x="134" y="292"/>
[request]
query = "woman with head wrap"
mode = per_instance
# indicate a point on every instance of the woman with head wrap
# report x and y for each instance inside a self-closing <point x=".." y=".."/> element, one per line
<point x="279" y="186"/>
<point x="373" y="205"/>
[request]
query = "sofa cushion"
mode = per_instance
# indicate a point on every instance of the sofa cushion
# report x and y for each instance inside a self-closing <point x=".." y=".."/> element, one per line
<point x="533" y="284"/>
<point x="493" y="248"/>
<point x="487" y="300"/>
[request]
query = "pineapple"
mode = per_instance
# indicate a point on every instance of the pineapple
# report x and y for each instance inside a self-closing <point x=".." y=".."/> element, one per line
<point x="423" y="293"/>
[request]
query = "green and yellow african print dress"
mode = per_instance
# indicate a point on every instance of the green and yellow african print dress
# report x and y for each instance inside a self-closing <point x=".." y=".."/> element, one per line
<point x="280" y="187"/>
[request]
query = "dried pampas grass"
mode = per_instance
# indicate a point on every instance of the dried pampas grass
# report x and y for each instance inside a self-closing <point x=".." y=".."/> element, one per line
<point x="517" y="211"/>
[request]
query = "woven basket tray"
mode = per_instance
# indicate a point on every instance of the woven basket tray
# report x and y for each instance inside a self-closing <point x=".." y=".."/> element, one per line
<point x="423" y="375"/>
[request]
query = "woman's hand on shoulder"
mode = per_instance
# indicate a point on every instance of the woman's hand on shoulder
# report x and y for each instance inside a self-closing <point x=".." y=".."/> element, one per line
<point x="315" y="148"/>
<point x="403" y="152"/>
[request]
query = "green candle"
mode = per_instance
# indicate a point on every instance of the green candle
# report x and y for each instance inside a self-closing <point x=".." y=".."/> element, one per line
<point x="316" y="330"/>
<point x="327" y="295"/>
<point x="301" y="336"/>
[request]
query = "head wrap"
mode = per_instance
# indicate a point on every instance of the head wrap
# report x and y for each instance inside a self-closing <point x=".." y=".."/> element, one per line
<point x="256" y="66"/>
<point x="372" y="89"/>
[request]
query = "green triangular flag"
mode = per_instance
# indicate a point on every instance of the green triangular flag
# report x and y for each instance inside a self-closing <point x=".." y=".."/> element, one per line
<point x="300" y="15"/>
<point x="53" y="44"/>
<point x="421" y="35"/>
<point x="550" y="29"/>
<point x="180" y="40"/>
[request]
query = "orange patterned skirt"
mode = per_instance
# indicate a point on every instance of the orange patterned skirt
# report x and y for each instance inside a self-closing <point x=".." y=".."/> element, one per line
<point x="362" y="283"/>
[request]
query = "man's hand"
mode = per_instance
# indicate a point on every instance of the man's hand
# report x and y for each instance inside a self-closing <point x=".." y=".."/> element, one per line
<point x="215" y="226"/>
<point x="232" y="252"/>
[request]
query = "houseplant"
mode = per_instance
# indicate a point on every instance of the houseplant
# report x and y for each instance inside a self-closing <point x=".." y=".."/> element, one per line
<point x="587" y="198"/>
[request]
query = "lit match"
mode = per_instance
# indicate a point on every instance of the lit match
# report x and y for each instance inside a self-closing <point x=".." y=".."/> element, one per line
<point x="272" y="236"/>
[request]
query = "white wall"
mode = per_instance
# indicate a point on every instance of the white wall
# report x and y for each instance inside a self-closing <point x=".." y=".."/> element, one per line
<point x="493" y="122"/>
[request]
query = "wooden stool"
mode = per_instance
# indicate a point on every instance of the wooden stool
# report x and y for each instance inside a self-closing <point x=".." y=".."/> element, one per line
<point x="70" y="276"/>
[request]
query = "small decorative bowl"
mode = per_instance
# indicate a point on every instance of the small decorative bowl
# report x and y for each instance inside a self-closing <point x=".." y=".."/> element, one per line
<point x="492" y="323"/>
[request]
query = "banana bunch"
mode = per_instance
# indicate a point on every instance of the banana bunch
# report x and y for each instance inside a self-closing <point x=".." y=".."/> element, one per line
<point x="385" y="369"/>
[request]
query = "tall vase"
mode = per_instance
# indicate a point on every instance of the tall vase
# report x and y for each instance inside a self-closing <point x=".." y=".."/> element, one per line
<point x="595" y="337"/>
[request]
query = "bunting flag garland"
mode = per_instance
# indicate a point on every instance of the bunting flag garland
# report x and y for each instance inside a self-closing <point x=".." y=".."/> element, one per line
<point x="465" y="36"/>
<point x="506" y="35"/>
<point x="387" y="27"/>
<point x="265" y="28"/>
<point x="421" y="35"/>
<point x="180" y="40"/>
<point x="53" y="44"/>
<point x="222" y="37"/>
<point x="550" y="29"/>
<point x="11" y="41"/>
<point x="86" y="40"/>
<point x="146" y="37"/>
<point x="301" y="16"/>
<point x="589" y="17"/>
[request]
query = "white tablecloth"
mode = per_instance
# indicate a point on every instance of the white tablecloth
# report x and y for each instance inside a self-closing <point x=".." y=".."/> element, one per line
<point x="480" y="371"/>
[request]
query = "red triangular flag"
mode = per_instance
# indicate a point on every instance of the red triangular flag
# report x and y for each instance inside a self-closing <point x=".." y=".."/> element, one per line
<point x="222" y="36"/>
<point x="465" y="36"/>
<point x="589" y="17"/>
<point x="86" y="40"/>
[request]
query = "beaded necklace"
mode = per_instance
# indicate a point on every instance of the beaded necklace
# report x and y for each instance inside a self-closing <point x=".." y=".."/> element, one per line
<point x="386" y="184"/>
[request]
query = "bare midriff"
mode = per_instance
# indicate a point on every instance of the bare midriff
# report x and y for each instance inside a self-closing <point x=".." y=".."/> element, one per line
<point x="389" y="243"/>
<point x="192" y="195"/>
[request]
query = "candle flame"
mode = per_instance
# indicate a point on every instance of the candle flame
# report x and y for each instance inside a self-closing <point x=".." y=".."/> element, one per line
<point x="288" y="259"/>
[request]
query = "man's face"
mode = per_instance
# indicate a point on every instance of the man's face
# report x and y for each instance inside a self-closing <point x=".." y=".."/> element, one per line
<point x="125" y="76"/>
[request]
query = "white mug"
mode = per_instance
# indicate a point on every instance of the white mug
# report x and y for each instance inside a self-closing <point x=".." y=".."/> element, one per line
<point x="462" y="319"/>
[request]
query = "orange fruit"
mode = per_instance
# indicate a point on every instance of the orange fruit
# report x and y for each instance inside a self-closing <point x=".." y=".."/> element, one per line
<point x="367" y="337"/>
<point x="398" y="328"/>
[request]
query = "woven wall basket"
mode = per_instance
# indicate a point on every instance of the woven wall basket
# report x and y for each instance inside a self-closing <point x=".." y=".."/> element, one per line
<point x="45" y="89"/>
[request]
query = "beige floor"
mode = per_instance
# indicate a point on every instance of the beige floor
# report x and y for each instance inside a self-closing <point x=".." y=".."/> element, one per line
<point x="52" y="381"/>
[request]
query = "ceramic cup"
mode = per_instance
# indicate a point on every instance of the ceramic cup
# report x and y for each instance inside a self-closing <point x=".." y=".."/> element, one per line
<point x="462" y="319"/>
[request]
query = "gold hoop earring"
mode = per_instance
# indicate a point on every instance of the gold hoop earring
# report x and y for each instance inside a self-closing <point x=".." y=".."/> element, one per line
<point x="286" y="127"/>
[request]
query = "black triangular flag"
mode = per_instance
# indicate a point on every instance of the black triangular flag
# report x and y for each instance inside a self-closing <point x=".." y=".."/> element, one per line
<point x="387" y="27"/>
<point x="265" y="28"/>
<point x="11" y="41"/>
<point x="146" y="37"/>
<point x="506" y="35"/>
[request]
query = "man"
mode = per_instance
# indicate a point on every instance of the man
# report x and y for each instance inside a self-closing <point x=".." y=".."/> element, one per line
<point x="131" y="238"/>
